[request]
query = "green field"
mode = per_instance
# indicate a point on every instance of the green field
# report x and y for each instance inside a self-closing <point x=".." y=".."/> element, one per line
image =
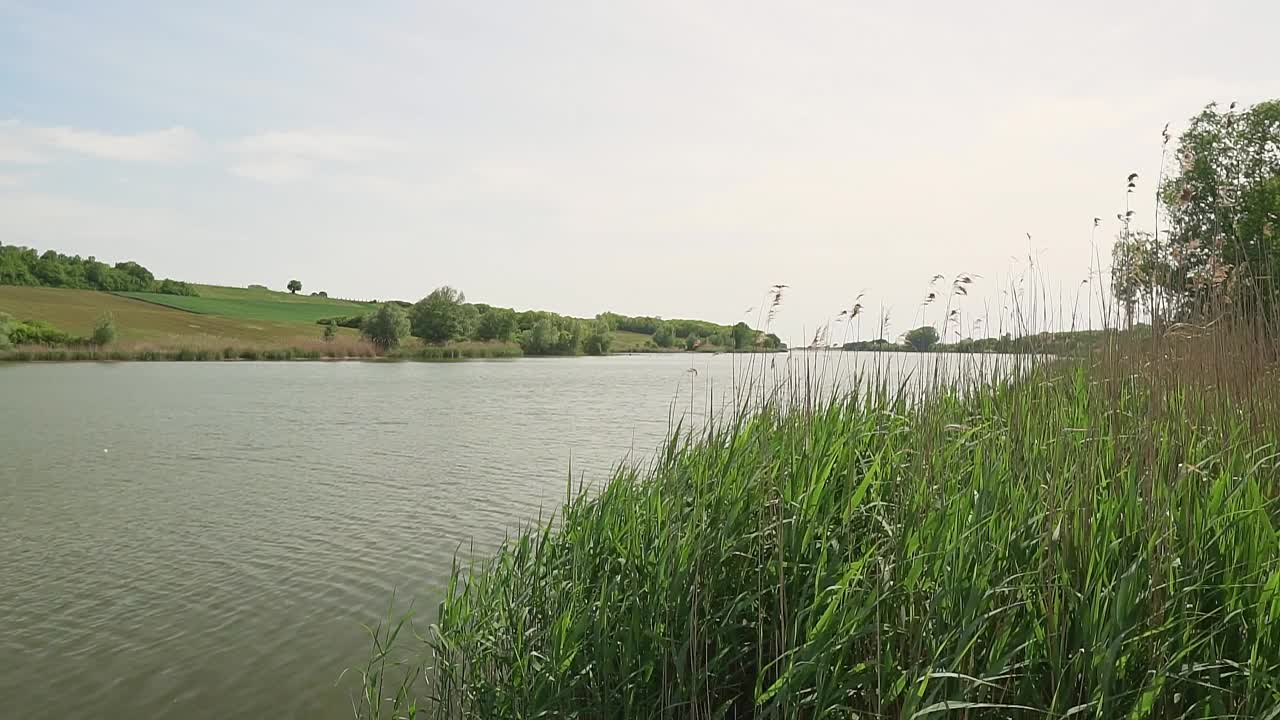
<point x="254" y="304"/>
<point x="625" y="341"/>
<point x="75" y="311"/>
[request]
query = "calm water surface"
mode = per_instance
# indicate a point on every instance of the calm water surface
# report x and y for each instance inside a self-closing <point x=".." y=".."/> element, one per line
<point x="203" y="540"/>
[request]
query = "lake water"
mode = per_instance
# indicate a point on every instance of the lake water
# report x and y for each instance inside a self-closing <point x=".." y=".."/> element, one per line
<point x="204" y="540"/>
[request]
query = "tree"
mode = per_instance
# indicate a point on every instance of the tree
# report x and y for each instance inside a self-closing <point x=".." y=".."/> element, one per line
<point x="330" y="332"/>
<point x="691" y="341"/>
<point x="295" y="286"/>
<point x="385" y="327"/>
<point x="539" y="339"/>
<point x="1136" y="273"/>
<point x="104" y="330"/>
<point x="24" y="266"/>
<point x="496" y="324"/>
<point x="468" y="321"/>
<point x="664" y="336"/>
<point x="742" y="336"/>
<point x="598" y="339"/>
<point x="553" y="335"/>
<point x="1223" y="203"/>
<point x="438" y="317"/>
<point x="923" y="338"/>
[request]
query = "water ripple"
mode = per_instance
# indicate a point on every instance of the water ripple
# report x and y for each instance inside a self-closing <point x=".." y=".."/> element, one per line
<point x="217" y="561"/>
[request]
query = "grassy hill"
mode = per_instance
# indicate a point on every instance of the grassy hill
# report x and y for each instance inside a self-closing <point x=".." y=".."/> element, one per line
<point x="58" y="299"/>
<point x="219" y="316"/>
<point x="143" y="319"/>
<point x="626" y="341"/>
<point x="254" y="304"/>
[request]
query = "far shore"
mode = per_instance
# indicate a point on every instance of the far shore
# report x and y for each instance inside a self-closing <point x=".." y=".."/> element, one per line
<point x="424" y="354"/>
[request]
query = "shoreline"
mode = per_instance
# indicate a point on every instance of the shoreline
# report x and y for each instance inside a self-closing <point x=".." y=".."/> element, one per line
<point x="19" y="356"/>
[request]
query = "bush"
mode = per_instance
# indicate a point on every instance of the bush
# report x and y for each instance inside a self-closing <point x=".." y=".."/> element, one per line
<point x="386" y="327"/>
<point x="104" y="331"/>
<point x="173" y="287"/>
<point x="36" y="332"/>
<point x="664" y="336"/>
<point x="348" y="321"/>
<point x="330" y="332"/>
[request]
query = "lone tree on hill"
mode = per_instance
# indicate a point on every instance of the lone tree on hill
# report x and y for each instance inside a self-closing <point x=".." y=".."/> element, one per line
<point x="295" y="286"/>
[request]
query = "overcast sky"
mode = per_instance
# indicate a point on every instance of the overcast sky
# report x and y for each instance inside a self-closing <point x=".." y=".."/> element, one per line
<point x="668" y="158"/>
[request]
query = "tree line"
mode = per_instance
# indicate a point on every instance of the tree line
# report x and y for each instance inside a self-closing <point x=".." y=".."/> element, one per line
<point x="445" y="316"/>
<point x="25" y="266"/>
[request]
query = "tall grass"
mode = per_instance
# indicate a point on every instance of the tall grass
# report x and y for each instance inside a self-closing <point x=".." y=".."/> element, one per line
<point x="1086" y="539"/>
<point x="469" y="350"/>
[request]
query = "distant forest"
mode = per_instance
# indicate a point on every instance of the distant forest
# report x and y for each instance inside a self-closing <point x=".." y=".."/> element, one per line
<point x="25" y="266"/>
<point x="445" y="316"/>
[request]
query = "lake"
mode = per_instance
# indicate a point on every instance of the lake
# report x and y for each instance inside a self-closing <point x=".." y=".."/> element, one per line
<point x="204" y="540"/>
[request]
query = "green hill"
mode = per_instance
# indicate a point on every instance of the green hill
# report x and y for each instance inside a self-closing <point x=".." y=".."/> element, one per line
<point x="75" y="312"/>
<point x="254" y="303"/>
<point x="67" y="294"/>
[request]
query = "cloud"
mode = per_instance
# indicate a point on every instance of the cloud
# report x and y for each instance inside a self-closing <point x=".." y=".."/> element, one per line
<point x="290" y="155"/>
<point x="21" y="143"/>
<point x="17" y="148"/>
<point x="316" y="145"/>
<point x="271" y="170"/>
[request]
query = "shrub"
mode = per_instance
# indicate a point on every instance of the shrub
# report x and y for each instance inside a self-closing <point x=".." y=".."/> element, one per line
<point x="37" y="332"/>
<point x="104" y="331"/>
<point x="173" y="287"/>
<point x="347" y="321"/>
<point x="386" y="326"/>
<point x="664" y="336"/>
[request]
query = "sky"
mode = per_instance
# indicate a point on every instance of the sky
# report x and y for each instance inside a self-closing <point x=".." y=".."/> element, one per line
<point x="651" y="157"/>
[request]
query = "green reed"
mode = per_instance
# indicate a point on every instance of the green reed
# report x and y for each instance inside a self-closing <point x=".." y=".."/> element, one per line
<point x="1074" y="541"/>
